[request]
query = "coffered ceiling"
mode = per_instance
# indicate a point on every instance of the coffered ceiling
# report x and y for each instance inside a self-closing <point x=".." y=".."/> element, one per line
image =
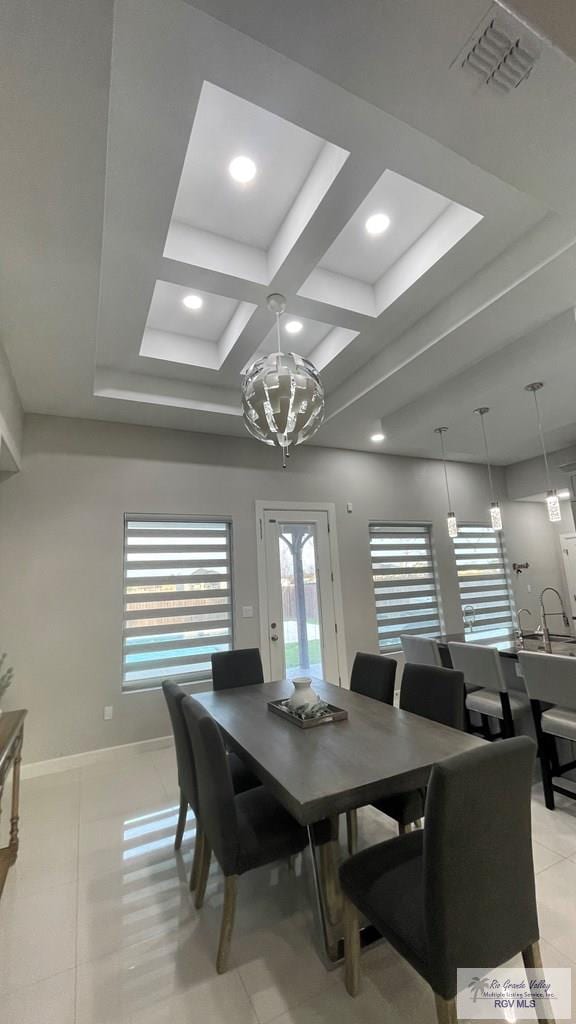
<point x="137" y="266"/>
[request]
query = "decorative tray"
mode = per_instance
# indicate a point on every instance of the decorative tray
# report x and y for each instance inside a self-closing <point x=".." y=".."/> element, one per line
<point x="332" y="714"/>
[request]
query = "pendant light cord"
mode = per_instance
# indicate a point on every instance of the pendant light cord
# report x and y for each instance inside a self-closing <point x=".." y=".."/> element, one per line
<point x="284" y="448"/>
<point x="542" y="442"/>
<point x="489" y="467"/>
<point x="445" y="468"/>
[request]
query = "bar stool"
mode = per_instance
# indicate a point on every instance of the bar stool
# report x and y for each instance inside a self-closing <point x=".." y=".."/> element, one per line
<point x="551" y="684"/>
<point x="421" y="650"/>
<point x="488" y="693"/>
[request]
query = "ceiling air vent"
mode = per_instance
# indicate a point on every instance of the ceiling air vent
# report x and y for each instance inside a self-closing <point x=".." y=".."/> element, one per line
<point x="501" y="51"/>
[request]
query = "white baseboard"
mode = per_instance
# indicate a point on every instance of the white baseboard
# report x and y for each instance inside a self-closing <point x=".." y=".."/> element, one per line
<point x="65" y="764"/>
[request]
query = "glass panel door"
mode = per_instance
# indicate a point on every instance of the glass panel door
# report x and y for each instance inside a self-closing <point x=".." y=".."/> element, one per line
<point x="300" y="599"/>
<point x="299" y="596"/>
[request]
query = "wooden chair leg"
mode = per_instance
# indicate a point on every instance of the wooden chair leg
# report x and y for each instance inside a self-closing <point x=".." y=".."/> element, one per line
<point x="446" y="1010"/>
<point x="533" y="961"/>
<point x="226" y="928"/>
<point x="352" y="831"/>
<point x="181" y="821"/>
<point x="203" y="870"/>
<point x="197" y="857"/>
<point x="351" y="948"/>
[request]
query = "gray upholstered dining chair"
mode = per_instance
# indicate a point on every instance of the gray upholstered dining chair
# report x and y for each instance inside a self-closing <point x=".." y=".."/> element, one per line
<point x="439" y="695"/>
<point x="244" y="831"/>
<point x="237" y="668"/>
<point x="460" y="892"/>
<point x="421" y="650"/>
<point x="373" y="675"/>
<point x="488" y="694"/>
<point x="550" y="680"/>
<point x="242" y="778"/>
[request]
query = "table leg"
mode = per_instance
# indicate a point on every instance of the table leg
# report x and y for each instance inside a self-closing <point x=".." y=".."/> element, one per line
<point x="15" y="811"/>
<point x="330" y="951"/>
<point x="329" y="902"/>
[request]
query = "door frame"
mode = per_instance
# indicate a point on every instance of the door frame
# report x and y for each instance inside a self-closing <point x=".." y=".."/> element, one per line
<point x="570" y="535"/>
<point x="300" y="506"/>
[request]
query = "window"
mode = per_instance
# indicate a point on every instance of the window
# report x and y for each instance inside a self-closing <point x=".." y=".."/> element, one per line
<point x="177" y="598"/>
<point x="485" y="595"/>
<point x="404" y="583"/>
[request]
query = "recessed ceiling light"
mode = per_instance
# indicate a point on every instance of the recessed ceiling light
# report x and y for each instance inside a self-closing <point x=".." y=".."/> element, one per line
<point x="377" y="437"/>
<point x="192" y="302"/>
<point x="242" y="169"/>
<point x="377" y="224"/>
<point x="294" y="326"/>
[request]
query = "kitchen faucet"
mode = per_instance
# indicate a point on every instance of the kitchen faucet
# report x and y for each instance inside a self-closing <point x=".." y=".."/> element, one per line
<point x="469" y="620"/>
<point x="544" y="616"/>
<point x="520" y="630"/>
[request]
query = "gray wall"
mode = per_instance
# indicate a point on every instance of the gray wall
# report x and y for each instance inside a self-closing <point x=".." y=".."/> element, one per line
<point x="11" y="418"/>
<point x="61" y="521"/>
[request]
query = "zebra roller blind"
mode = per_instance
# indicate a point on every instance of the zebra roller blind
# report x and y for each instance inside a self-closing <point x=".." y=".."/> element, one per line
<point x="485" y="595"/>
<point x="177" y="598"/>
<point x="404" y="583"/>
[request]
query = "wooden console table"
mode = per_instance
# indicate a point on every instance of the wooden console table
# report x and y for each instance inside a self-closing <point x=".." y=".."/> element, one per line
<point x="11" y="738"/>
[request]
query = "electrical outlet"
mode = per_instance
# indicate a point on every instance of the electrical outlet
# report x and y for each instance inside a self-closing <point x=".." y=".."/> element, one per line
<point x="108" y="712"/>
<point x="247" y="611"/>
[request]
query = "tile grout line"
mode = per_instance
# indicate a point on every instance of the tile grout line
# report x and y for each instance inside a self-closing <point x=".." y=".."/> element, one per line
<point x="250" y="1000"/>
<point x="80" y="794"/>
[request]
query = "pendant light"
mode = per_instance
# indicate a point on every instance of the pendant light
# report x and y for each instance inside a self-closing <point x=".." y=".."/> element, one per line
<point x="282" y="394"/>
<point x="495" y="513"/>
<point x="451" y="520"/>
<point x="552" y="502"/>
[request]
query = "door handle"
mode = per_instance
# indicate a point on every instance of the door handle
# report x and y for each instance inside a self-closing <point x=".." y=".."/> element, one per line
<point x="273" y="637"/>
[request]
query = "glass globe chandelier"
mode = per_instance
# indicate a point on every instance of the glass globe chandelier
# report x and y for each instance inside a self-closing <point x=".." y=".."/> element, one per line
<point x="282" y="394"/>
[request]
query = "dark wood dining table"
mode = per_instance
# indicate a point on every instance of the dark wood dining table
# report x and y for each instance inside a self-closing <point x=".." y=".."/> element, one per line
<point x="320" y="773"/>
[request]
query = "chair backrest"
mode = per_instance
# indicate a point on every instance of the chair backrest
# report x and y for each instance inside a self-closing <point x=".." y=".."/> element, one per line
<point x="479" y="893"/>
<point x="421" y="650"/>
<point x="237" y="668"/>
<point x="217" y="806"/>
<point x="481" y="666"/>
<point x="373" y="675"/>
<point x="549" y="677"/>
<point x="174" y="696"/>
<point x="512" y="672"/>
<point x="435" y="693"/>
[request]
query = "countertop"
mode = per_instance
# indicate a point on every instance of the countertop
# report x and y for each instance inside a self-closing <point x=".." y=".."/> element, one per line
<point x="562" y="643"/>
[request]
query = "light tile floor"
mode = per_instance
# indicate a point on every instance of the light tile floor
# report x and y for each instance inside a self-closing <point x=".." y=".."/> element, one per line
<point x="97" y="925"/>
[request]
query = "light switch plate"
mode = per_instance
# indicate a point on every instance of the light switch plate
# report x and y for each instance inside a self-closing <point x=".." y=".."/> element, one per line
<point x="247" y="611"/>
<point x="108" y="712"/>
